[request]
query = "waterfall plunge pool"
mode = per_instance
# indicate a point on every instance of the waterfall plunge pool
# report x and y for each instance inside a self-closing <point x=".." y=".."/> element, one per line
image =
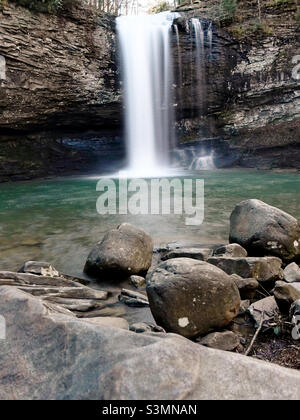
<point x="56" y="220"/>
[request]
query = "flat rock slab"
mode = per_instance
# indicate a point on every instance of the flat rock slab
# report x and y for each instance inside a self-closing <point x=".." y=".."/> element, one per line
<point x="263" y="269"/>
<point x="100" y="363"/>
<point x="195" y="253"/>
<point x="132" y="298"/>
<point x="264" y="310"/>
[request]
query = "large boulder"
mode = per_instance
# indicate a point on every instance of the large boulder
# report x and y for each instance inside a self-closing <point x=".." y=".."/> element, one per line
<point x="123" y="252"/>
<point x="191" y="297"/>
<point x="51" y="356"/>
<point x="265" y="230"/>
<point x="263" y="269"/>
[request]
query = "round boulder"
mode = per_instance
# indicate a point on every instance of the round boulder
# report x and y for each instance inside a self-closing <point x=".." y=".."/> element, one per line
<point x="123" y="252"/>
<point x="191" y="297"/>
<point x="265" y="230"/>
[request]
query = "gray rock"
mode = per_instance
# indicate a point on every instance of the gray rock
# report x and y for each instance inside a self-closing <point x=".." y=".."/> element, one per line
<point x="264" y="310"/>
<point x="226" y="340"/>
<point x="286" y="294"/>
<point x="247" y="287"/>
<point x="195" y="253"/>
<point x="100" y="363"/>
<point x="263" y="269"/>
<point x="124" y="251"/>
<point x="291" y="273"/>
<point x="191" y="297"/>
<point x="137" y="281"/>
<point x="109" y="321"/>
<point x="39" y="268"/>
<point x="231" y="250"/>
<point x="131" y="298"/>
<point x="22" y="279"/>
<point x="265" y="230"/>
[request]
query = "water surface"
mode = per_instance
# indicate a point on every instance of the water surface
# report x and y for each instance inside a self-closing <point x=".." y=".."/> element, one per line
<point x="57" y="221"/>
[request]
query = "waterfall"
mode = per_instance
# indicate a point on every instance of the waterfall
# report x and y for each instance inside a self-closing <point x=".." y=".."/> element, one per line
<point x="200" y="64"/>
<point x="147" y="81"/>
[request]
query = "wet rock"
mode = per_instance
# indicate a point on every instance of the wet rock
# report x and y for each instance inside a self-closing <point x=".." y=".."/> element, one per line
<point x="291" y="273"/>
<point x="124" y="251"/>
<point x="263" y="269"/>
<point x="265" y="230"/>
<point x="131" y="298"/>
<point x="247" y="287"/>
<point x="286" y="294"/>
<point x="137" y="281"/>
<point x="264" y="310"/>
<point x="143" y="327"/>
<point x="226" y="340"/>
<point x="231" y="250"/>
<point x="108" y="321"/>
<point x="39" y="268"/>
<point x="191" y="297"/>
<point x="99" y="363"/>
<point x="195" y="253"/>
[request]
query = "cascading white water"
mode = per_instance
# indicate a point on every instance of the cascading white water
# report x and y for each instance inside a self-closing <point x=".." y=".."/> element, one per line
<point x="148" y="77"/>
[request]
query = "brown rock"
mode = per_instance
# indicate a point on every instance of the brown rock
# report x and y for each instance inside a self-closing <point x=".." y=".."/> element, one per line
<point x="191" y="297"/>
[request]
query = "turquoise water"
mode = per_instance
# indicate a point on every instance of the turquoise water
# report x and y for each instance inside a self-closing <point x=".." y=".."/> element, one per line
<point x="57" y="221"/>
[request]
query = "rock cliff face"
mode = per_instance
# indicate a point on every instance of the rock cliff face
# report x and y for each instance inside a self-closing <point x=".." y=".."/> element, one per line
<point x="252" y="92"/>
<point x="59" y="74"/>
<point x="60" y="70"/>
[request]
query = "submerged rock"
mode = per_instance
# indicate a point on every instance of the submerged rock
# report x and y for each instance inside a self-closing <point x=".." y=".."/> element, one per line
<point x="226" y="340"/>
<point x="122" y="252"/>
<point x="265" y="230"/>
<point x="291" y="273"/>
<point x="191" y="297"/>
<point x="263" y="269"/>
<point x="100" y="363"/>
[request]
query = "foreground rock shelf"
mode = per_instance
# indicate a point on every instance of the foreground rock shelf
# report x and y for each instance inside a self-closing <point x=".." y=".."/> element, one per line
<point x="70" y="358"/>
<point x="70" y="338"/>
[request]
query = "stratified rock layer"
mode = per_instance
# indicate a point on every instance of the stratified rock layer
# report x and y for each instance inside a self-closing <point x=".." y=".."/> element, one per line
<point x="50" y="356"/>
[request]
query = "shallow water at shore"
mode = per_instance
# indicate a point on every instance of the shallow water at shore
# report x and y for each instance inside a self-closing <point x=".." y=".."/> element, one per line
<point x="56" y="220"/>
